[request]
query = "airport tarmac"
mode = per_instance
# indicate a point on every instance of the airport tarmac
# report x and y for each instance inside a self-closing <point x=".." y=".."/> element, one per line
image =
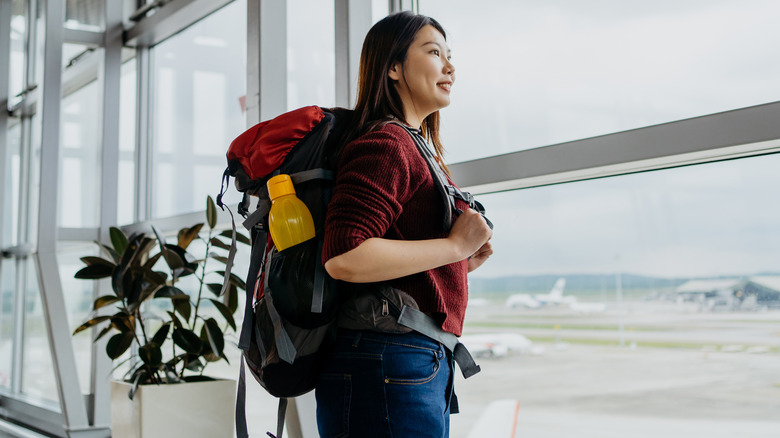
<point x="602" y="391"/>
<point x="680" y="373"/>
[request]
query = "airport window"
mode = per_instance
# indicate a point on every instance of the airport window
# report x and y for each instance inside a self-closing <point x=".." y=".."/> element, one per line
<point x="311" y="53"/>
<point x="199" y="87"/>
<point x="16" y="65"/>
<point x="37" y="370"/>
<point x="11" y="187"/>
<point x="127" y="144"/>
<point x="7" y="288"/>
<point x="634" y="303"/>
<point x="80" y="158"/>
<point x="531" y="74"/>
<point x="78" y="295"/>
<point x="84" y="15"/>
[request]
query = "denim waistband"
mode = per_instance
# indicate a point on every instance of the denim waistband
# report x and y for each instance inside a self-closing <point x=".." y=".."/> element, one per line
<point x="393" y="338"/>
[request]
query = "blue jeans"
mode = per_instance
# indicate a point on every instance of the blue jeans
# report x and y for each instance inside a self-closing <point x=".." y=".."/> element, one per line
<point x="385" y="385"/>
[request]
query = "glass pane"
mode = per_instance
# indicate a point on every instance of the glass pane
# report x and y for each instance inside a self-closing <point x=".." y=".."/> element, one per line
<point x="539" y="73"/>
<point x="84" y="14"/>
<point x="37" y="368"/>
<point x="199" y="85"/>
<point x="79" y="158"/>
<point x="17" y="64"/>
<point x="78" y="296"/>
<point x="379" y="9"/>
<point x="11" y="188"/>
<point x="70" y="52"/>
<point x="670" y="292"/>
<point x="127" y="140"/>
<point x="7" y="320"/>
<point x="34" y="181"/>
<point x="311" y="62"/>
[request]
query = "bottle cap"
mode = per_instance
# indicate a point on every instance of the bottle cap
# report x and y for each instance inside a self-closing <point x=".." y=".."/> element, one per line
<point x="280" y="185"/>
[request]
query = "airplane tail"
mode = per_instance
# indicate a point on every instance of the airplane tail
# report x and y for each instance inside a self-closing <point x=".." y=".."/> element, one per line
<point x="557" y="290"/>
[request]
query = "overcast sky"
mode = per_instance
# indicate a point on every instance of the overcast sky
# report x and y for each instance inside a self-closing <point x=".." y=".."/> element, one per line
<point x="534" y="73"/>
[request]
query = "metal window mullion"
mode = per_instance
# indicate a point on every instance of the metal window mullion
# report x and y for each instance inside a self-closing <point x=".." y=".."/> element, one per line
<point x="109" y="77"/>
<point x="143" y="135"/>
<point x="404" y="5"/>
<point x="169" y="19"/>
<point x="732" y="134"/>
<point x="353" y="20"/>
<point x="63" y="358"/>
<point x="5" y="59"/>
<point x="266" y="79"/>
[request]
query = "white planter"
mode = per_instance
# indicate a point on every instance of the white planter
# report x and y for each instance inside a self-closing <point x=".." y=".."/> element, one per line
<point x="185" y="410"/>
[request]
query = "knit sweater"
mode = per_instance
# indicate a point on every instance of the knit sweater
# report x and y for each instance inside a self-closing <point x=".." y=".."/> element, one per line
<point x="384" y="189"/>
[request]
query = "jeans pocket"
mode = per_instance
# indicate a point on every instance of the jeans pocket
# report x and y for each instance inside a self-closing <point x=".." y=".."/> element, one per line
<point x="411" y="366"/>
<point x="334" y="396"/>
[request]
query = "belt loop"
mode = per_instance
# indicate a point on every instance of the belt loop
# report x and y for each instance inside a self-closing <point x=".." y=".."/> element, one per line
<point x="356" y="341"/>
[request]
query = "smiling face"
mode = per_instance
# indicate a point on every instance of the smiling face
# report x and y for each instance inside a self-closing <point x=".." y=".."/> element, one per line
<point x="426" y="76"/>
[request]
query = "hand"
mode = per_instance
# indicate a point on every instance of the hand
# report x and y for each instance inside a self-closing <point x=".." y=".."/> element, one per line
<point x="470" y="233"/>
<point x="478" y="258"/>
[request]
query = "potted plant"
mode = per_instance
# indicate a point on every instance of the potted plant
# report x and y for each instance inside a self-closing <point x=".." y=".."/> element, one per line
<point x="170" y="334"/>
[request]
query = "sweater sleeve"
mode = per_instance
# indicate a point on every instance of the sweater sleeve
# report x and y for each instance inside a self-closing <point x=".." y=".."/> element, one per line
<point x="373" y="183"/>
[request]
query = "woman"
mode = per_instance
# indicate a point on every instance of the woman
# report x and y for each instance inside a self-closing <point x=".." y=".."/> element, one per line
<point x="384" y="224"/>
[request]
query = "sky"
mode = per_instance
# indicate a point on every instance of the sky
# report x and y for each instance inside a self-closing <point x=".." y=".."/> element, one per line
<point x="535" y="73"/>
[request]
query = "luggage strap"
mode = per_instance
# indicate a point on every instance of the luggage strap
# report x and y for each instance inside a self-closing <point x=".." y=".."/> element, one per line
<point x="242" y="431"/>
<point x="424" y="324"/>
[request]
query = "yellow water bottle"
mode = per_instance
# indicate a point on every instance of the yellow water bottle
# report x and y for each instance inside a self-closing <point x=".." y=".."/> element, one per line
<point x="289" y="221"/>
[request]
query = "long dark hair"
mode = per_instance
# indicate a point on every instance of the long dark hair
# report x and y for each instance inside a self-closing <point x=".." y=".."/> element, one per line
<point x="378" y="102"/>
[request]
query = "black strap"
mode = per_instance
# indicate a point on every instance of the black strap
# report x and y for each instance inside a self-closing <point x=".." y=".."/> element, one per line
<point x="424" y="324"/>
<point x="280" y="418"/>
<point x="284" y="345"/>
<point x="241" y="428"/>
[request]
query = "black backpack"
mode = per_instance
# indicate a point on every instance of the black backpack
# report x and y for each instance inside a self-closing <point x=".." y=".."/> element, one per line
<point x="292" y="303"/>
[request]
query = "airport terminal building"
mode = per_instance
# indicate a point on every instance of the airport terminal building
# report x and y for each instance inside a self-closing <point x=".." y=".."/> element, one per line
<point x="605" y="139"/>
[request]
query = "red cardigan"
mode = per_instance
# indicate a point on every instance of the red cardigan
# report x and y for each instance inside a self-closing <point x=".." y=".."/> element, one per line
<point x="384" y="189"/>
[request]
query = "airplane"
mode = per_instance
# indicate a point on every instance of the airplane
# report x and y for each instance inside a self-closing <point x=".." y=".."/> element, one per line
<point x="498" y="344"/>
<point x="555" y="297"/>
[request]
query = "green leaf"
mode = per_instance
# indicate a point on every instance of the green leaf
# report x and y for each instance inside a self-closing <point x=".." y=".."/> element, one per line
<point x="215" y="288"/>
<point x="187" y="235"/>
<point x="183" y="307"/>
<point x="175" y="319"/>
<point x="91" y="323"/>
<point x="215" y="338"/>
<point x="219" y="244"/>
<point x="118" y="239"/>
<point x="195" y="365"/>
<point x="223" y="309"/>
<point x="235" y="279"/>
<point x="187" y="340"/>
<point x="151" y="355"/>
<point x="218" y="258"/>
<point x="110" y="251"/>
<point x="152" y="261"/>
<point x="103" y="332"/>
<point x="94" y="272"/>
<point x="239" y="237"/>
<point x="171" y="258"/>
<point x="161" y="335"/>
<point x="172" y="292"/>
<point x="211" y="212"/>
<point x="123" y="322"/>
<point x="118" y="344"/>
<point x="105" y="301"/>
<point x="89" y="261"/>
<point x="231" y="298"/>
